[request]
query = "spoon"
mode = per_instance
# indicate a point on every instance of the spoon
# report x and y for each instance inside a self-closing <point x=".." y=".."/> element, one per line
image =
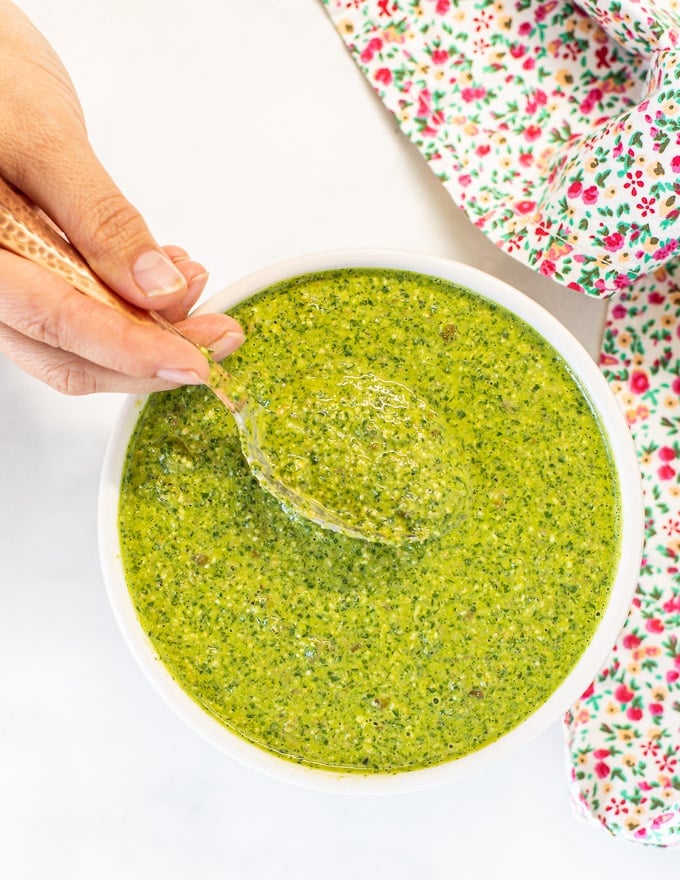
<point x="300" y="489"/>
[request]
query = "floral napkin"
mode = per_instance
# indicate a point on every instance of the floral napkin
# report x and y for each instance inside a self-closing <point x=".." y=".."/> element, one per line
<point x="556" y="126"/>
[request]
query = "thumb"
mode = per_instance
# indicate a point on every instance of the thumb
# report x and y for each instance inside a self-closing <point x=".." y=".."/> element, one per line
<point x="108" y="230"/>
<point x="45" y="151"/>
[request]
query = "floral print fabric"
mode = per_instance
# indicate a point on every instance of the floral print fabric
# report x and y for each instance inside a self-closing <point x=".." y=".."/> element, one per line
<point x="556" y="126"/>
<point x="623" y="735"/>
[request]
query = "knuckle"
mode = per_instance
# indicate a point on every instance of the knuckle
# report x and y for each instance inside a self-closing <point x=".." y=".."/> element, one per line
<point x="116" y="224"/>
<point x="70" y="378"/>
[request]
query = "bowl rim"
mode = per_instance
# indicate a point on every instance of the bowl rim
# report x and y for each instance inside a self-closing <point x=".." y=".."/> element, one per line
<point x="592" y="382"/>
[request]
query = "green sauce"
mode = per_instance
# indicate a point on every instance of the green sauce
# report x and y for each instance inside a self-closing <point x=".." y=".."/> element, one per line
<point x="345" y="654"/>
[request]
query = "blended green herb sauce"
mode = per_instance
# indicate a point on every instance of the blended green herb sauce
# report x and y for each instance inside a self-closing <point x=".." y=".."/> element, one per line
<point x="349" y="655"/>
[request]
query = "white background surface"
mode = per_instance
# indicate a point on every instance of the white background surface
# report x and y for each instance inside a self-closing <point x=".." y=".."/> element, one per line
<point x="243" y="132"/>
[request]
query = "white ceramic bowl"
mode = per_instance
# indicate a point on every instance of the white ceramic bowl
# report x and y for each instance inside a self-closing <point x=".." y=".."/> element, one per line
<point x="596" y="388"/>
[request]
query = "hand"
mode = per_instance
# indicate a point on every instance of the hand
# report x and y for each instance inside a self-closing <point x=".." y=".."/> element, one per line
<point x="53" y="332"/>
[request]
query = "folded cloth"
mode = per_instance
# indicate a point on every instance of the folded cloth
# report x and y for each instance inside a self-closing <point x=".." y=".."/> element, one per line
<point x="556" y="127"/>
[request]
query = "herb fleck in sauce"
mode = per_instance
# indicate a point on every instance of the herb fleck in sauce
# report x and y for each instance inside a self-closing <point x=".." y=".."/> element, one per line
<point x="345" y="654"/>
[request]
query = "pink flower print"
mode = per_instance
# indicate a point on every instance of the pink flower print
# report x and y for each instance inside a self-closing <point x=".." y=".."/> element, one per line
<point x="374" y="45"/>
<point x="465" y="180"/>
<point x="676" y="385"/>
<point x="639" y="382"/>
<point x="483" y="150"/>
<point x="602" y="770"/>
<point x="631" y="641"/>
<point x="655" y="298"/>
<point x="424" y="102"/>
<point x="547" y="268"/>
<point x="672" y="675"/>
<point x="532" y="132"/>
<point x="618" y="312"/>
<point x="526" y="159"/>
<point x="665" y="472"/>
<point x="590" y="690"/>
<point x="623" y="694"/>
<point x="470" y="93"/>
<point x="667" y="250"/>
<point x="440" y="56"/>
<point x="383" y="75"/>
<point x="675" y="164"/>
<point x="655" y="708"/>
<point x="654" y="625"/>
<point x="634" y="181"/>
<point x="666" y="453"/>
<point x="525" y="28"/>
<point x="442" y="7"/>
<point x="517" y="50"/>
<point x="614" y="242"/>
<point x="525" y="207"/>
<point x="575" y="189"/>
<point x="590" y="195"/>
<point x="544" y="9"/>
<point x="634" y="713"/>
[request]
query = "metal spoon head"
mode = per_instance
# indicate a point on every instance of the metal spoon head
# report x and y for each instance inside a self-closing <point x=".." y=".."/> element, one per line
<point x="365" y="457"/>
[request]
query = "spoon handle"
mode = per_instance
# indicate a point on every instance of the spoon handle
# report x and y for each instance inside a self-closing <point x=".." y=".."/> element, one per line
<point x="25" y="231"/>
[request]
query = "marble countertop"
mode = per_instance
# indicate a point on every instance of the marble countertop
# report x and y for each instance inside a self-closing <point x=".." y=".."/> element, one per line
<point x="243" y="132"/>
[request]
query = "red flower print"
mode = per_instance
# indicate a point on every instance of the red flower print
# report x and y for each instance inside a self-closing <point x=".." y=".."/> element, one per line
<point x="532" y="132"/>
<point x="675" y="164"/>
<point x="590" y="195"/>
<point x="666" y="250"/>
<point x="633" y="713"/>
<point x="575" y="189"/>
<point x="472" y="94"/>
<point x="442" y="7"/>
<point x="639" y="382"/>
<point x="525" y="207"/>
<point x="547" y="268"/>
<point x="656" y="298"/>
<point x="631" y="641"/>
<point x="374" y="45"/>
<point x="613" y="242"/>
<point x="483" y="150"/>
<point x="601" y="753"/>
<point x="623" y="694"/>
<point x="383" y="75"/>
<point x="654" y="625"/>
<point x="440" y="56"/>
<point x="665" y="472"/>
<point x="666" y="453"/>
<point x="620" y="311"/>
<point x="590" y="690"/>
<point x="525" y="159"/>
<point x="601" y="770"/>
<point x="655" y="708"/>
<point x="672" y="675"/>
<point x="517" y="50"/>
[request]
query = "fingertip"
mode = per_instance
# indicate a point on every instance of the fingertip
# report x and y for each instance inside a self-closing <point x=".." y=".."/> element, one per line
<point x="157" y="276"/>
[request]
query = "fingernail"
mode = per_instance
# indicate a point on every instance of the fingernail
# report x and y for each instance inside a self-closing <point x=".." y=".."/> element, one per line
<point x="180" y="377"/>
<point x="226" y="343"/>
<point x="156" y="274"/>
